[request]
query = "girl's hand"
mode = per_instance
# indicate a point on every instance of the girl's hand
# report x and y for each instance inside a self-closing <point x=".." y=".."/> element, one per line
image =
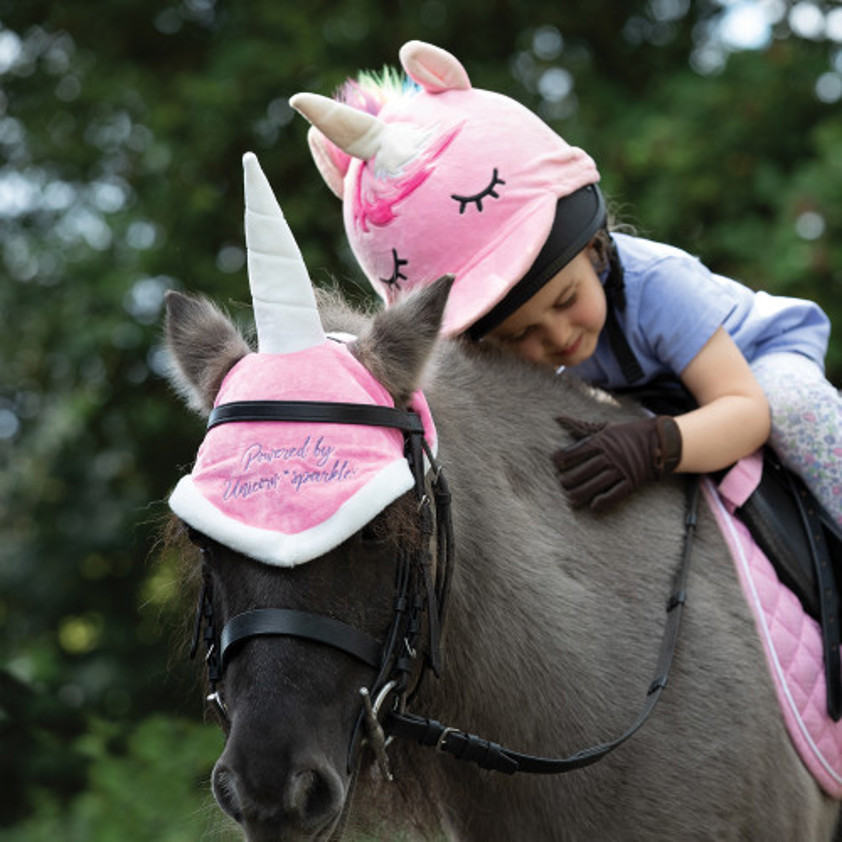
<point x="612" y="461"/>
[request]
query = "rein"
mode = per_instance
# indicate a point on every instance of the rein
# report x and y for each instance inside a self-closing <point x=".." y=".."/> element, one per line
<point x="419" y="605"/>
<point x="490" y="755"/>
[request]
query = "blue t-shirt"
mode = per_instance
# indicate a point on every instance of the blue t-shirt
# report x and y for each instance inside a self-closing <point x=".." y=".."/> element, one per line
<point x="674" y="305"/>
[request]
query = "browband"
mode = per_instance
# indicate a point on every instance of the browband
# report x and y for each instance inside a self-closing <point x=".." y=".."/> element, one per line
<point x="317" y="412"/>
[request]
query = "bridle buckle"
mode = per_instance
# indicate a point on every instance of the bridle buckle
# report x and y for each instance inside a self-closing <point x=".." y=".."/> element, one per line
<point x="216" y="698"/>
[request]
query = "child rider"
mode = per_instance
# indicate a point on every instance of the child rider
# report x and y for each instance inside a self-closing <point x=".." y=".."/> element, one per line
<point x="438" y="177"/>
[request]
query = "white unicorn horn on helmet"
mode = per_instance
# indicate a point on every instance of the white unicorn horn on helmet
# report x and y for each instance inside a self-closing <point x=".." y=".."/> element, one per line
<point x="285" y="311"/>
<point x="340" y="132"/>
<point x="354" y="134"/>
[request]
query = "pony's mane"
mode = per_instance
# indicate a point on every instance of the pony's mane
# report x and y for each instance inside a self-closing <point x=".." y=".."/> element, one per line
<point x="371" y="90"/>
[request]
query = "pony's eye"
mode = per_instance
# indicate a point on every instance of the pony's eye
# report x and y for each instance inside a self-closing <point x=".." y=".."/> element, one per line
<point x="397" y="275"/>
<point x="370" y="535"/>
<point x="464" y="201"/>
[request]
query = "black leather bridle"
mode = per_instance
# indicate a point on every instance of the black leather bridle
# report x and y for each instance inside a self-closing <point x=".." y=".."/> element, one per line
<point x="412" y="642"/>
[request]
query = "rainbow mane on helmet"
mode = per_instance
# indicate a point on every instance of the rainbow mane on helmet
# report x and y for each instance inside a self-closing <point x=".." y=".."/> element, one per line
<point x="437" y="177"/>
<point x="370" y="91"/>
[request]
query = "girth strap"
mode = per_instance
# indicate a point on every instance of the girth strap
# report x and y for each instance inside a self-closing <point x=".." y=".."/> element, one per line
<point x="283" y="621"/>
<point x="489" y="755"/>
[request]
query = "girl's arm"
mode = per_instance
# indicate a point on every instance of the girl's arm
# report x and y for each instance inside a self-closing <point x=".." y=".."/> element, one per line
<point x="608" y="462"/>
<point x="733" y="415"/>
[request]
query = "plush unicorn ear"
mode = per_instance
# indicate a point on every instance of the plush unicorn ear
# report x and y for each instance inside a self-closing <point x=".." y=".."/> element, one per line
<point x="285" y="311"/>
<point x="330" y="160"/>
<point x="435" y="69"/>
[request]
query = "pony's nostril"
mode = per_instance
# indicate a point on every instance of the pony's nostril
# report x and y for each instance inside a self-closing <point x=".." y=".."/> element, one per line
<point x="314" y="796"/>
<point x="224" y="789"/>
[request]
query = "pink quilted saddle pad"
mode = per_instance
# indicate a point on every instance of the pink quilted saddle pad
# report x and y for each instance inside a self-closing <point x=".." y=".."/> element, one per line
<point x="791" y="638"/>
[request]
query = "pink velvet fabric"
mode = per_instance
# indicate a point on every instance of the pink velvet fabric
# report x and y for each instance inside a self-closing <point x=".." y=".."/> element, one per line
<point x="481" y="183"/>
<point x="286" y="492"/>
<point x="791" y="638"/>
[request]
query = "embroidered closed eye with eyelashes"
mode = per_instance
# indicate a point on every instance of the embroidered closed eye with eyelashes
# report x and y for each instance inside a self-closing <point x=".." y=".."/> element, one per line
<point x="396" y="275"/>
<point x="464" y="201"/>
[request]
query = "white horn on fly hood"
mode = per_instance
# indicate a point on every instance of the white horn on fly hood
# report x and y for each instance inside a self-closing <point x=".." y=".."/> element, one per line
<point x="285" y="312"/>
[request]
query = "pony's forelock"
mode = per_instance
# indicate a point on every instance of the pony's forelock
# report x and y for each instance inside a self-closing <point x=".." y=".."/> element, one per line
<point x="371" y="90"/>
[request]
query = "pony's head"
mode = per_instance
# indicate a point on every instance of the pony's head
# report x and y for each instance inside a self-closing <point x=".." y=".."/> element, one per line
<point x="438" y="177"/>
<point x="308" y="502"/>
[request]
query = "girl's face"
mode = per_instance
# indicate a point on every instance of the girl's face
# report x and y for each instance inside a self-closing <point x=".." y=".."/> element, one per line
<point x="561" y="323"/>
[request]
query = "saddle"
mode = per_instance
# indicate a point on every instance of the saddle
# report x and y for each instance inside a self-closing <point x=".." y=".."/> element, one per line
<point x="794" y="531"/>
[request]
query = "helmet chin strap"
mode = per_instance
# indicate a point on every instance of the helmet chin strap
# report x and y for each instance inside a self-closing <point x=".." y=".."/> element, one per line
<point x="577" y="219"/>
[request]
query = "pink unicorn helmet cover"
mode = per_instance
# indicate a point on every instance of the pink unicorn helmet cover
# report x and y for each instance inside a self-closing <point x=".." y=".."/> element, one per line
<point x="287" y="492"/>
<point x="461" y="181"/>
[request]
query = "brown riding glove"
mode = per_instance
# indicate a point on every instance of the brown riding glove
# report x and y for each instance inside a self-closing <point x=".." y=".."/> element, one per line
<point x="613" y="460"/>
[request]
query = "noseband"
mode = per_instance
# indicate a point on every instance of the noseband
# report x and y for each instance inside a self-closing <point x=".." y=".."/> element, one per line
<point x="412" y="642"/>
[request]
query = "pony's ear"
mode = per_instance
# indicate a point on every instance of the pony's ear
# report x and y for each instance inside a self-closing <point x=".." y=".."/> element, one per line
<point x="399" y="342"/>
<point x="330" y="160"/>
<point x="203" y="346"/>
<point x="435" y="69"/>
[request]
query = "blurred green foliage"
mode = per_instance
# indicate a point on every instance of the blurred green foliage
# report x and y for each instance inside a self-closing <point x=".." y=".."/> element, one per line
<point x="143" y="783"/>
<point x="122" y="125"/>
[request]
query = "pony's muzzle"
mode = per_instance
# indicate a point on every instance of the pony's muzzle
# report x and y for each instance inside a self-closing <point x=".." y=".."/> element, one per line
<point x="305" y="802"/>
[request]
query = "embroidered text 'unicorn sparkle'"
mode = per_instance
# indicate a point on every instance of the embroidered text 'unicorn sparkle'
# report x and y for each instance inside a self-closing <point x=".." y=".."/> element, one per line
<point x="472" y="171"/>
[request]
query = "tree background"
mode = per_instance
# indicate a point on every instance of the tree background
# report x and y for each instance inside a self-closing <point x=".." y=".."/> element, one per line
<point x="122" y="126"/>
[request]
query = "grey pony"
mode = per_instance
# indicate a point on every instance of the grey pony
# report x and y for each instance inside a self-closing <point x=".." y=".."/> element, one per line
<point x="553" y="629"/>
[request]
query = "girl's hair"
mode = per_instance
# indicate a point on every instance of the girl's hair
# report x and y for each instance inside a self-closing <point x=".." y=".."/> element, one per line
<point x="608" y="259"/>
<point x="602" y="246"/>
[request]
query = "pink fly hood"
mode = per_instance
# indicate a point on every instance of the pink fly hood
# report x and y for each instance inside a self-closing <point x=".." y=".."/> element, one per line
<point x="444" y="179"/>
<point x="287" y="492"/>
